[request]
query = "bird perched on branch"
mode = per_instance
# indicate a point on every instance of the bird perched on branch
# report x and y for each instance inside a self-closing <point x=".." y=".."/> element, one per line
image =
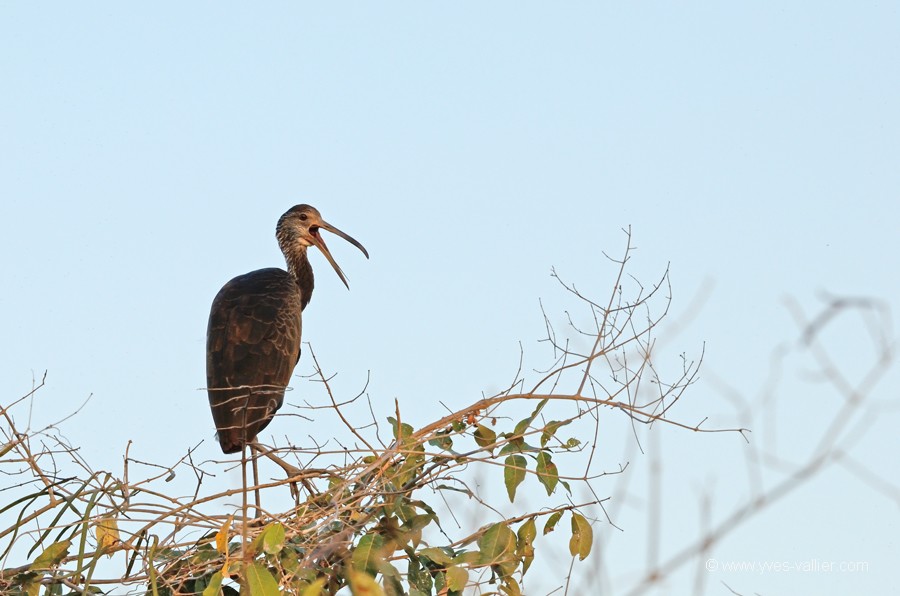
<point x="253" y="339"/>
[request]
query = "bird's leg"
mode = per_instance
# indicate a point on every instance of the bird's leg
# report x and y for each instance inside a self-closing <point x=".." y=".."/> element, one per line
<point x="244" y="502"/>
<point x="254" y="451"/>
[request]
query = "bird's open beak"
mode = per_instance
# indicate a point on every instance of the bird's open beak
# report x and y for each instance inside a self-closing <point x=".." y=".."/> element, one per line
<point x="320" y="243"/>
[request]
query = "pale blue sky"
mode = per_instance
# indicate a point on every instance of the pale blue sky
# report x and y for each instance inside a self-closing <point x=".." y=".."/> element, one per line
<point x="146" y="153"/>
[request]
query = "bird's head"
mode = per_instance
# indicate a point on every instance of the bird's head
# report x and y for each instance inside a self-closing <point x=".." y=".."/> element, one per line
<point x="300" y="227"/>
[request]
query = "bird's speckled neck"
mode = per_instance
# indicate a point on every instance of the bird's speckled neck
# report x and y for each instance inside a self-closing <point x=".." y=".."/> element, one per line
<point x="299" y="268"/>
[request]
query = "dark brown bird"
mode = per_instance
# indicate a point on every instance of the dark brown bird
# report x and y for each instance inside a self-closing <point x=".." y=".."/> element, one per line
<point x="253" y="339"/>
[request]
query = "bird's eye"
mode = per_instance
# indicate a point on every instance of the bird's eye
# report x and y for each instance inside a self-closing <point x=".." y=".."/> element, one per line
<point x="303" y="217"/>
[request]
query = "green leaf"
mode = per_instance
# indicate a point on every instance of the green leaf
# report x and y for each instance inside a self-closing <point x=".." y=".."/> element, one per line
<point x="392" y="581"/>
<point x="213" y="588"/>
<point x="582" y="537"/>
<point x="457" y="578"/>
<point x="418" y="577"/>
<point x="442" y="440"/>
<point x="315" y="588"/>
<point x="484" y="436"/>
<point x="25" y="577"/>
<point x="52" y="555"/>
<point x="550" y="430"/>
<point x="572" y="443"/>
<point x="526" y="533"/>
<point x="498" y="548"/>
<point x="525" y="543"/>
<point x="306" y="576"/>
<point x="471" y="557"/>
<point x="440" y="581"/>
<point x="510" y="587"/>
<point x="424" y="507"/>
<point x="367" y="556"/>
<point x="363" y="584"/>
<point x="260" y="581"/>
<point x="523" y="424"/>
<point x="7" y="448"/>
<point x="415" y="458"/>
<point x="106" y="531"/>
<point x="406" y="430"/>
<point x="547" y="472"/>
<point x="514" y="474"/>
<point x="436" y="555"/>
<point x="411" y="531"/>
<point x="270" y="540"/>
<point x="417" y="522"/>
<point x="30" y="587"/>
<point x="497" y="543"/>
<point x="290" y="562"/>
<point x="551" y="522"/>
<point x="404" y="510"/>
<point x="204" y="554"/>
<point x="515" y="444"/>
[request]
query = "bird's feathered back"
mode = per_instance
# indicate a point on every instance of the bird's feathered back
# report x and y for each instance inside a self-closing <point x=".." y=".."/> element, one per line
<point x="253" y="344"/>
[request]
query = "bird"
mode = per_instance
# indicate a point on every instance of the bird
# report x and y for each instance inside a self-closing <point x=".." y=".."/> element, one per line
<point x="255" y="325"/>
